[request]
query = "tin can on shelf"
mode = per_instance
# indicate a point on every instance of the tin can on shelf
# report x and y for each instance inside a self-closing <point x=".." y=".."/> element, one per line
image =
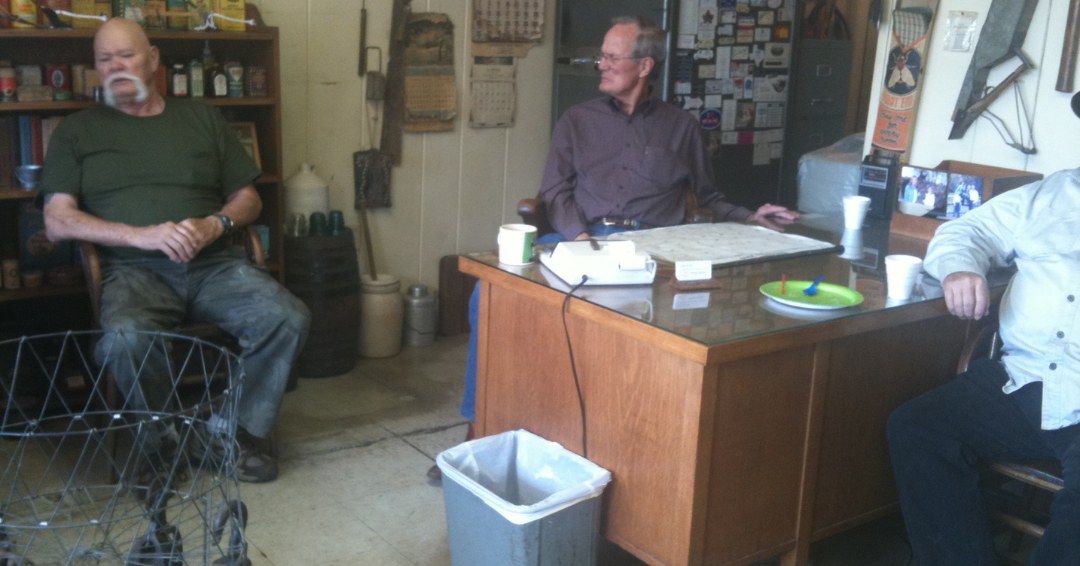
<point x="78" y="81"/>
<point x="58" y="76"/>
<point x="11" y="273"/>
<point x="256" y="81"/>
<point x="7" y="82"/>
<point x="234" y="74"/>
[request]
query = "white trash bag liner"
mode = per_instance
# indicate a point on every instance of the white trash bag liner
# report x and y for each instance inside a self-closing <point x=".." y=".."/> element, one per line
<point x="523" y="476"/>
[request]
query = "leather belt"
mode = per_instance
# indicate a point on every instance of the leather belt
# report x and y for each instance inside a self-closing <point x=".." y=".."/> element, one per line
<point x="621" y="223"/>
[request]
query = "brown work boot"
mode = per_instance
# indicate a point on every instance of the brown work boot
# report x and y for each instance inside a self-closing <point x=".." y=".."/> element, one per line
<point x="434" y="473"/>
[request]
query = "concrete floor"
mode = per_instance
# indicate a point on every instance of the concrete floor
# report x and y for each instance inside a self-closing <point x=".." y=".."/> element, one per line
<point x="353" y="491"/>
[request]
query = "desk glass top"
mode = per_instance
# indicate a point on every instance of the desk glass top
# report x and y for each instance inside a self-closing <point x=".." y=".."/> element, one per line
<point x="737" y="310"/>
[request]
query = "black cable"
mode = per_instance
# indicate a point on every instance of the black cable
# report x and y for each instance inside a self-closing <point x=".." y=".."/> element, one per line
<point x="573" y="367"/>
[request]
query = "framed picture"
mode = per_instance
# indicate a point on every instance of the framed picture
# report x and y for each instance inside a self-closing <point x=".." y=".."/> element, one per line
<point x="965" y="193"/>
<point x="245" y="132"/>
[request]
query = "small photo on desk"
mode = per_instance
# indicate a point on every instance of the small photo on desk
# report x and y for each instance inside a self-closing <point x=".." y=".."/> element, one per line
<point x="923" y="192"/>
<point x="965" y="193"/>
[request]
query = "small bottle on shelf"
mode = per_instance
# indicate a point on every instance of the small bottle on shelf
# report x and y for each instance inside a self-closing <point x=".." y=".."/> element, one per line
<point x="179" y="80"/>
<point x="196" y="80"/>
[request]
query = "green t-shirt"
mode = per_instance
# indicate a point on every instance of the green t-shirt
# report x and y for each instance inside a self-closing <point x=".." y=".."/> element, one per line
<point x="143" y="171"/>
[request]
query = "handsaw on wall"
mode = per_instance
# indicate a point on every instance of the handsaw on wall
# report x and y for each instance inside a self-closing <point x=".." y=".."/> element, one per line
<point x="1001" y="39"/>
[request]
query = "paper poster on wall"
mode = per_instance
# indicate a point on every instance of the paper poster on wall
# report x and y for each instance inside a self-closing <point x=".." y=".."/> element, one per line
<point x="759" y="54"/>
<point x="714" y="86"/>
<point x="762" y="34"/>
<point x="683" y="87"/>
<point x="725" y="30"/>
<point x="729" y="138"/>
<point x="707" y="71"/>
<point x="723" y="62"/>
<point x="761" y="154"/>
<point x="748" y="87"/>
<point x="686" y="41"/>
<point x="766" y="18"/>
<point x="744" y="36"/>
<point x="430" y="92"/>
<point x="492" y="92"/>
<point x="769" y="115"/>
<point x="771" y="88"/>
<point x="776" y="55"/>
<point x="959" y="30"/>
<point x="512" y="21"/>
<point x="769" y="136"/>
<point x="740" y="53"/>
<point x="738" y="88"/>
<point x="707" y="16"/>
<point x="714" y="101"/>
<point x="727" y="115"/>
<point x="744" y="115"/>
<point x="728" y="17"/>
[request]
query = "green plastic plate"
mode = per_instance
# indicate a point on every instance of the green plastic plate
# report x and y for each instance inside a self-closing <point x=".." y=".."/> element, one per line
<point x="828" y="296"/>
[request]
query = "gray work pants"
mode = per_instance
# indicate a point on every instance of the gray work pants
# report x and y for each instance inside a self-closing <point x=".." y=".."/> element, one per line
<point x="222" y="288"/>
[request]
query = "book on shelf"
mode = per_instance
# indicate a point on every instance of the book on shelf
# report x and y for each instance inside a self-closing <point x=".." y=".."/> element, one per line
<point x="24" y="140"/>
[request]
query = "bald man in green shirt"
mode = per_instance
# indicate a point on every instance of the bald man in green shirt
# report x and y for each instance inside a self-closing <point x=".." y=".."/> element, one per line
<point x="155" y="184"/>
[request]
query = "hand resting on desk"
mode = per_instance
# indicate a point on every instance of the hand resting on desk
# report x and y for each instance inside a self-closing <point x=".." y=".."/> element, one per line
<point x="967" y="295"/>
<point x="774" y="216"/>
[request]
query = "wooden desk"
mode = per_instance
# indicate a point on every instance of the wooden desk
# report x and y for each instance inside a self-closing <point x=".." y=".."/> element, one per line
<point x="733" y="432"/>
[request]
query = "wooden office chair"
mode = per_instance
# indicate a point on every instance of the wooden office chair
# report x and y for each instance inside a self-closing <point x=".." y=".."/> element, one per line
<point x="1039" y="477"/>
<point x="533" y="211"/>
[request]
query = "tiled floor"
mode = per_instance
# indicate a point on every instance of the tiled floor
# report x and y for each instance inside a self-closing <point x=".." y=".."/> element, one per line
<point x="353" y="491"/>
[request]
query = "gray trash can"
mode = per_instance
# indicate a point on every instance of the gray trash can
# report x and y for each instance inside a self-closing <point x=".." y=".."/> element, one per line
<point x="515" y="499"/>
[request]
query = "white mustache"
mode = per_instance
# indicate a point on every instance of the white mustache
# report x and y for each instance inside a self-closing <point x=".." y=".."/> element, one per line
<point x="141" y="92"/>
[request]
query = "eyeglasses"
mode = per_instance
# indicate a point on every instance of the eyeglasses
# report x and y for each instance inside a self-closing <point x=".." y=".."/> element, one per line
<point x="610" y="59"/>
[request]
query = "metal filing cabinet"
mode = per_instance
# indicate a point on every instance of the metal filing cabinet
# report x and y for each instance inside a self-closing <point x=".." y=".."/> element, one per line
<point x="818" y="107"/>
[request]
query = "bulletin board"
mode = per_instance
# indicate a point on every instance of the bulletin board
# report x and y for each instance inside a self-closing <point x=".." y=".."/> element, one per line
<point x="733" y="72"/>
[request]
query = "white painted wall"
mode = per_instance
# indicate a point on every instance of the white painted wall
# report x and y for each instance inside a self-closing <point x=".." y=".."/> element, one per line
<point x="452" y="189"/>
<point x="1057" y="129"/>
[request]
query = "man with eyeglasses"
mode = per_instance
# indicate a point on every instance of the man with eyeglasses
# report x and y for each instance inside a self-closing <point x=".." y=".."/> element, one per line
<point x="622" y="162"/>
<point x="625" y="160"/>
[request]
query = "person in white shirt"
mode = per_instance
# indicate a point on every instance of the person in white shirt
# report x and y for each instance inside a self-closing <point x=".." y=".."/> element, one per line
<point x="1027" y="406"/>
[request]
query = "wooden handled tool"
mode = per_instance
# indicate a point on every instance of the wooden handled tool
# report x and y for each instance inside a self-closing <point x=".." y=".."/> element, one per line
<point x="1069" y="49"/>
<point x="363" y="39"/>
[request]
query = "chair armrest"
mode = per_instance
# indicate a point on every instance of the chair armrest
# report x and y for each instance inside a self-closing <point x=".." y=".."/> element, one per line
<point x="694" y="213"/>
<point x="91" y="264"/>
<point x="534" y="213"/>
<point x="528" y="209"/>
<point x="254" y="247"/>
<point x="983" y="344"/>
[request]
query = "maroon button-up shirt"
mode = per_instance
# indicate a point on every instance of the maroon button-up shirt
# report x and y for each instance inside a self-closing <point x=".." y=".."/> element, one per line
<point x="604" y="163"/>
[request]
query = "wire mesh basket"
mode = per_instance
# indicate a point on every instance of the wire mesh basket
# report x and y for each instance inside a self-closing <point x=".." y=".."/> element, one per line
<point x="104" y="471"/>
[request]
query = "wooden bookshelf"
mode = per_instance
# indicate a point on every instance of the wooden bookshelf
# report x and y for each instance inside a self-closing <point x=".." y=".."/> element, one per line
<point x="258" y="46"/>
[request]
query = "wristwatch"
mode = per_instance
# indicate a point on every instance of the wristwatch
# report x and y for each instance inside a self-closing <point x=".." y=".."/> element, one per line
<point x="226" y="223"/>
